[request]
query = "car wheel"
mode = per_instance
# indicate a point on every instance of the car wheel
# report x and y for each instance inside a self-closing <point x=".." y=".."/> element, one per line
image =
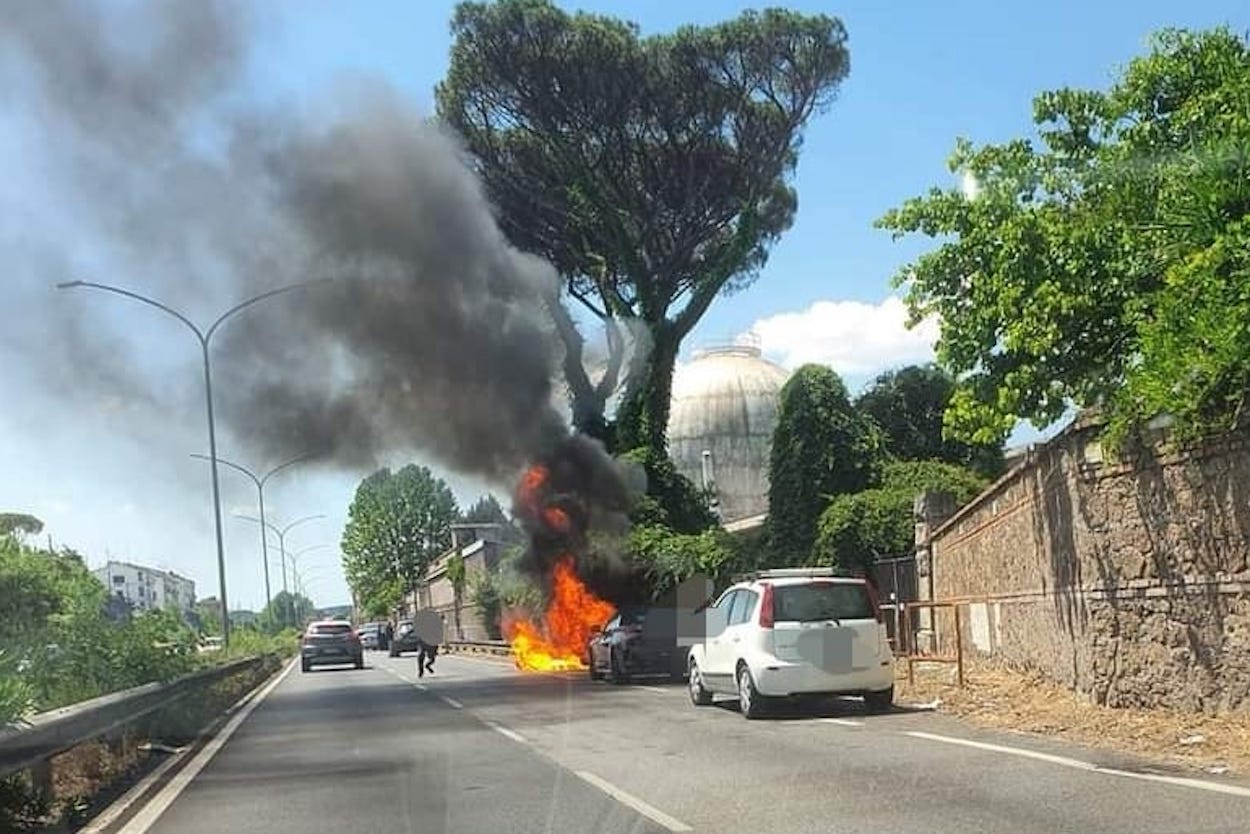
<point x="699" y="694"/>
<point x="595" y="674"/>
<point x="879" y="701"/>
<point x="360" y="664"/>
<point x="618" y="675"/>
<point x="750" y="701"/>
<point x="304" y="667"/>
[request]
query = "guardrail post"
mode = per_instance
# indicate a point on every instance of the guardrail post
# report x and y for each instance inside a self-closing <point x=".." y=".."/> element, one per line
<point x="41" y="777"/>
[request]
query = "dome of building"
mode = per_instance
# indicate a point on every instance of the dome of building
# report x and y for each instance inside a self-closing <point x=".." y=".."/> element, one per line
<point x="724" y="403"/>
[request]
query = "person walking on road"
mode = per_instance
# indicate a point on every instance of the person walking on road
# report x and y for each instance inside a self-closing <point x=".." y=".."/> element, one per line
<point x="429" y="628"/>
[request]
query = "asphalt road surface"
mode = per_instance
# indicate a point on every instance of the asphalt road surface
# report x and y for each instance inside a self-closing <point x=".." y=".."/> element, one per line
<point x="478" y="747"/>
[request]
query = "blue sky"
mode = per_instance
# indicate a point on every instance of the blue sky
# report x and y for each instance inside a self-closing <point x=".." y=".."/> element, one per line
<point x="921" y="75"/>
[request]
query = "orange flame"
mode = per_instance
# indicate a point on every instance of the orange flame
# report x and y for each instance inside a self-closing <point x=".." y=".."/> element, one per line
<point x="534" y="479"/>
<point x="559" y="642"/>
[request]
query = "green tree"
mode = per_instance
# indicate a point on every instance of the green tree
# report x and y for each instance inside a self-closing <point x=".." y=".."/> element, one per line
<point x="1107" y="265"/>
<point x="208" y="611"/>
<point x="55" y="630"/>
<point x="672" y="500"/>
<point x="908" y="405"/>
<point x="285" y="610"/>
<point x="667" y="557"/>
<point x="486" y="510"/>
<point x="822" y="447"/>
<point x="398" y="523"/>
<point x="857" y="529"/>
<point x="19" y="524"/>
<point x="653" y="172"/>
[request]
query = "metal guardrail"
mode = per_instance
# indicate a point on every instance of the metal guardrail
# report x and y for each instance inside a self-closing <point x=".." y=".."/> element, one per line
<point x="29" y="743"/>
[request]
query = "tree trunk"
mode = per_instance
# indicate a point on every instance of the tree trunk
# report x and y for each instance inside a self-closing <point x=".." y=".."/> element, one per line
<point x="642" y="418"/>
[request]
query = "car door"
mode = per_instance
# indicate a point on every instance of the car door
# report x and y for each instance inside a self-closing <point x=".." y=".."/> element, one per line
<point x="740" y="628"/>
<point x="717" y="669"/>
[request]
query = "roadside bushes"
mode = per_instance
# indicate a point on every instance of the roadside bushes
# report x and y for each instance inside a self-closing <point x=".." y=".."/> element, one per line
<point x="858" y="528"/>
<point x="60" y="645"/>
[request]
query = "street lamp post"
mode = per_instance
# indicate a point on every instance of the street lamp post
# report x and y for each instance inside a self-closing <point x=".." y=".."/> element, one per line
<point x="295" y="573"/>
<point x="281" y="533"/>
<point x="303" y="580"/>
<point x="260" y="481"/>
<point x="205" y="336"/>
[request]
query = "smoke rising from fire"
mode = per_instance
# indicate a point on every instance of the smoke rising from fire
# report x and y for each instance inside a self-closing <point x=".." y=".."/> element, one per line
<point x="430" y="334"/>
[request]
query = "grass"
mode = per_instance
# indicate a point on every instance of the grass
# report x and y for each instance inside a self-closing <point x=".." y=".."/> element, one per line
<point x="1027" y="702"/>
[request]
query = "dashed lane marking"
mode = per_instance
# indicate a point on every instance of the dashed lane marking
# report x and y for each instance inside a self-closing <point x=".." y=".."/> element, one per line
<point x="845" y="722"/>
<point x="452" y="702"/>
<point x="505" y="732"/>
<point x="649" y="811"/>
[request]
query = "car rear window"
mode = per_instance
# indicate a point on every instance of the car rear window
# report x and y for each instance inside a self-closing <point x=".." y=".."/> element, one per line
<point x="332" y="628"/>
<point x="822" y="601"/>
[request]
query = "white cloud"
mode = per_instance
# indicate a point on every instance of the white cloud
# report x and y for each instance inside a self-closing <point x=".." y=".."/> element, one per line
<point x="852" y="337"/>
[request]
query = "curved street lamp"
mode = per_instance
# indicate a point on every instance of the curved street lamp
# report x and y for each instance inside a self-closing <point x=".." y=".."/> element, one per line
<point x="260" y="481"/>
<point x="204" y="336"/>
<point x="281" y="533"/>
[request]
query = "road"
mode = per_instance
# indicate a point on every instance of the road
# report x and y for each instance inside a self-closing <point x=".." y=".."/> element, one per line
<point x="478" y="747"/>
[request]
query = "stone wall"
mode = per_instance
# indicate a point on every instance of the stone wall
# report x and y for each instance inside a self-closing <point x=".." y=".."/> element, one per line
<point x="1127" y="580"/>
<point x="437" y="593"/>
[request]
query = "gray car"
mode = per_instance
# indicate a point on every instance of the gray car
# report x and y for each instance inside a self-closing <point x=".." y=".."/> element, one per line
<point x="330" y="642"/>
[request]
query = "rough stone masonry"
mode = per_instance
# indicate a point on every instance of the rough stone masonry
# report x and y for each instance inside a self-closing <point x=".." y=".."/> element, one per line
<point x="1125" y="579"/>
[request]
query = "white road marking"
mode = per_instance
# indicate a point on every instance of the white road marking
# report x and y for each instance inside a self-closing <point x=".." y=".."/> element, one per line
<point x="504" y="731"/>
<point x="122" y="804"/>
<point x="653" y="689"/>
<point x="651" y="813"/>
<point x="152" y="811"/>
<point x="452" y="702"/>
<point x="420" y="686"/>
<point x="845" y="722"/>
<point x="1064" y="761"/>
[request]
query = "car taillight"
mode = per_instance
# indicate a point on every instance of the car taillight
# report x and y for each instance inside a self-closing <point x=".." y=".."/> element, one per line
<point x="876" y="602"/>
<point x="353" y="636"/>
<point x="766" y="607"/>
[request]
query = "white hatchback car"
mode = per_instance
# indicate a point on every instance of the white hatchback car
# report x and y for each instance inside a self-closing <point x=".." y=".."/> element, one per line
<point x="793" y="632"/>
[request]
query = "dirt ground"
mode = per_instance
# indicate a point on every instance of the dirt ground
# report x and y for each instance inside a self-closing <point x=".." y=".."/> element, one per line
<point x="1028" y="703"/>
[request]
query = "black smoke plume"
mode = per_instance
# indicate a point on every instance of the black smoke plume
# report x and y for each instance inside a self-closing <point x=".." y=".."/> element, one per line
<point x="425" y="332"/>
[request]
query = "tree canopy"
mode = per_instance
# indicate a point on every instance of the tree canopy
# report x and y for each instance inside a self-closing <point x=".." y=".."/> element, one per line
<point x="1108" y="263"/>
<point x="19" y="524"/>
<point x="486" y="510"/>
<point x="908" y="405"/>
<point x="822" y="447"/>
<point x="876" y="523"/>
<point x="286" y="609"/>
<point x="653" y="172"/>
<point x="398" y="523"/>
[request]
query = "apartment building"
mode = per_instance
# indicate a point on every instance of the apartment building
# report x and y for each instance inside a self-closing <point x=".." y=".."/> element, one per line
<point x="147" y="589"/>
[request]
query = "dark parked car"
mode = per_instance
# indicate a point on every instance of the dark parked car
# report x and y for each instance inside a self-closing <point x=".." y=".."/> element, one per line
<point x="330" y="642"/>
<point x="639" y="640"/>
<point x="405" y="639"/>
